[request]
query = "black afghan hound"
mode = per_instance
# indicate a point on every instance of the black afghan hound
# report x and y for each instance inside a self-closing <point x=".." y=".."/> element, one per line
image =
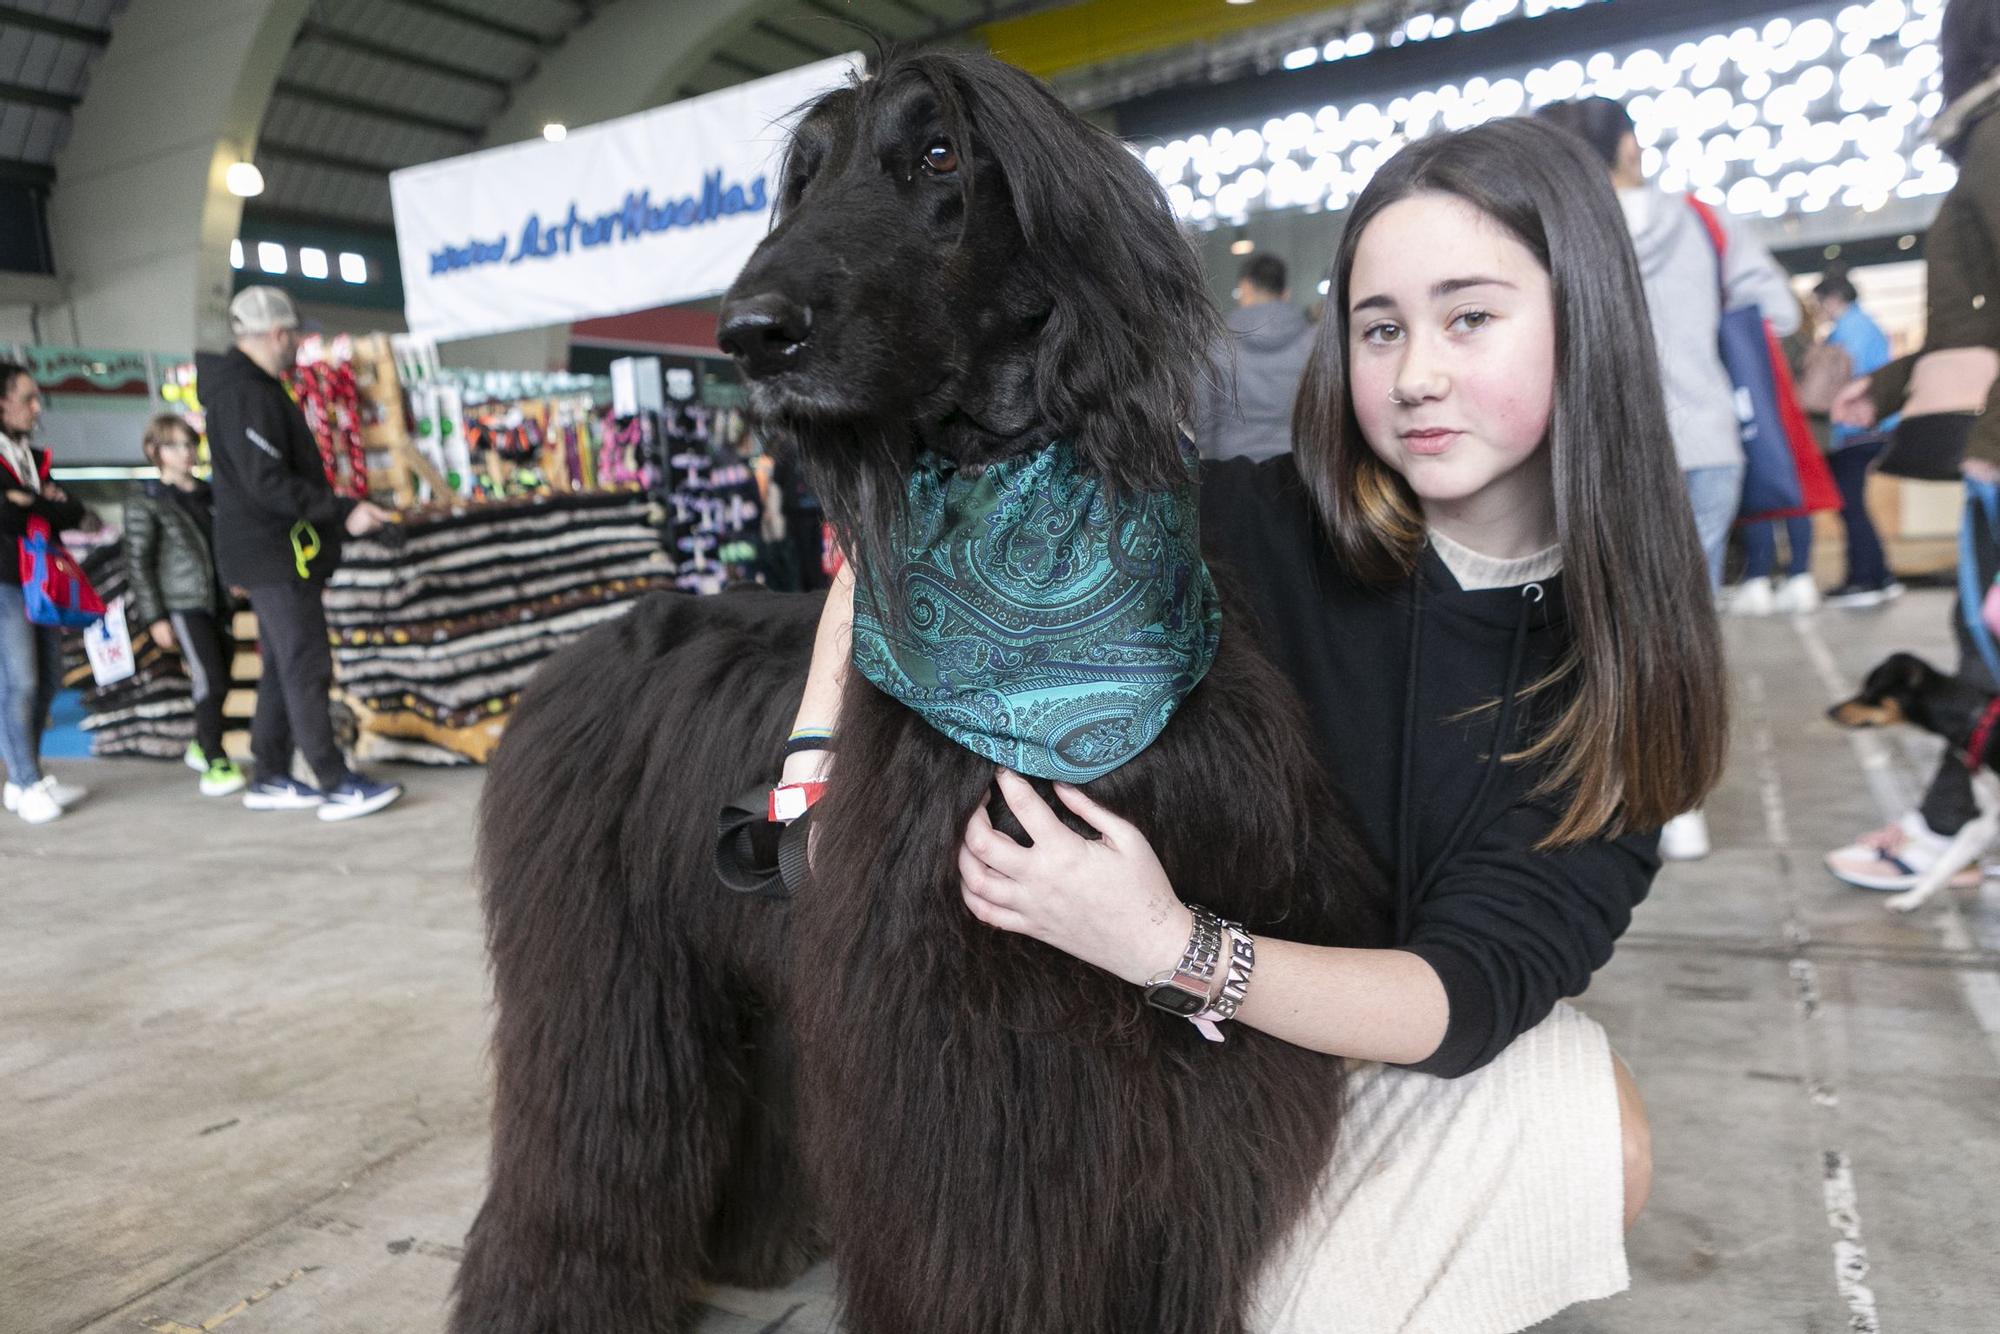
<point x="988" y="1136"/>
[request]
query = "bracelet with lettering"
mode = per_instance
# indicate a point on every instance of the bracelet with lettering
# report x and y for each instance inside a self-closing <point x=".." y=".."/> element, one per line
<point x="1237" y="966"/>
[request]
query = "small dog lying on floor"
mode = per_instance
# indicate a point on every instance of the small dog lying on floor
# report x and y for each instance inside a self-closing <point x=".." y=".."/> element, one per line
<point x="1904" y="688"/>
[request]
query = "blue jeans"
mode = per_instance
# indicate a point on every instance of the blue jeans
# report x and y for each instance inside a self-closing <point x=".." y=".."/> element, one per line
<point x="1760" y="547"/>
<point x="1715" y="495"/>
<point x="30" y="675"/>
<point x="1867" y="567"/>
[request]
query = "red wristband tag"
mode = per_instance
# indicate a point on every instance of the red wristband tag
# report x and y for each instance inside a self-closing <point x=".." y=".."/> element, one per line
<point x="792" y="800"/>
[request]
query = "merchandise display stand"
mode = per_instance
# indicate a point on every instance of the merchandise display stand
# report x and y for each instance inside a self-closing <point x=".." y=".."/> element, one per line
<point x="404" y="473"/>
<point x="439" y="619"/>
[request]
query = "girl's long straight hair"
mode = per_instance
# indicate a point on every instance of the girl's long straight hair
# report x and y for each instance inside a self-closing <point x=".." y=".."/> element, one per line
<point x="1642" y="732"/>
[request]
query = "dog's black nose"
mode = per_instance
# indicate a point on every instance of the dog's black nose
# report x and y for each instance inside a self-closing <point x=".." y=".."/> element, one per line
<point x="764" y="332"/>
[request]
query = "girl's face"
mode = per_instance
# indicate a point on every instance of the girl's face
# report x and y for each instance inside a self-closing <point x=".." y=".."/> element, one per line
<point x="1451" y="345"/>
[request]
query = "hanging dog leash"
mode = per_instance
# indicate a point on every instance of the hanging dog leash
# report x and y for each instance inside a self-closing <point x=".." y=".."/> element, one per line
<point x="305" y="547"/>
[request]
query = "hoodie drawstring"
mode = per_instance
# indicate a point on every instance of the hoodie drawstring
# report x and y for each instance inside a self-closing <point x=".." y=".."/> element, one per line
<point x="1408" y="891"/>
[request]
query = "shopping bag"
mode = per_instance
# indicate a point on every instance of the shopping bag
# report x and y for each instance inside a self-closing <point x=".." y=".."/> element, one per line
<point x="1785" y="475"/>
<point x="108" y="645"/>
<point x="52" y="583"/>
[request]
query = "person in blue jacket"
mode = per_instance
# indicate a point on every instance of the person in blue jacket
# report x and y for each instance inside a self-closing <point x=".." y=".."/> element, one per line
<point x="1852" y="451"/>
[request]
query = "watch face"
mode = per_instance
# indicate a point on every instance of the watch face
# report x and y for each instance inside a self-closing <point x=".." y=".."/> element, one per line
<point x="1166" y="996"/>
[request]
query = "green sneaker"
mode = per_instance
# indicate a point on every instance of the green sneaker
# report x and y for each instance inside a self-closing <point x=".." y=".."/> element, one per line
<point x="222" y="778"/>
<point x="196" y="758"/>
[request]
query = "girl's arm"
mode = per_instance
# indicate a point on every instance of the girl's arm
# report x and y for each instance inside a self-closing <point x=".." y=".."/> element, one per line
<point x="1108" y="902"/>
<point x="1503" y="932"/>
<point x="819" y="710"/>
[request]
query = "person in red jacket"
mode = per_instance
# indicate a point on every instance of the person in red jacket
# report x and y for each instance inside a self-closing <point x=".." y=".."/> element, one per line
<point x="30" y="655"/>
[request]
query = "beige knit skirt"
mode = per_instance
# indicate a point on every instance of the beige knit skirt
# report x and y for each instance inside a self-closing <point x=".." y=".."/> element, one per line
<point x="1479" y="1205"/>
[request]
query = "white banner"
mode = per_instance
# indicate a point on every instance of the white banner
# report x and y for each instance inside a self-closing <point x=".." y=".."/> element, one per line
<point x="646" y="210"/>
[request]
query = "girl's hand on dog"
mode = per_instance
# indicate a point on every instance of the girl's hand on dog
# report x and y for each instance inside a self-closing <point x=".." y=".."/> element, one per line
<point x="1104" y="900"/>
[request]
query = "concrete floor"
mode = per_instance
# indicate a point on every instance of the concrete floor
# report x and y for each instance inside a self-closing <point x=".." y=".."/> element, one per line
<point x="242" y="1079"/>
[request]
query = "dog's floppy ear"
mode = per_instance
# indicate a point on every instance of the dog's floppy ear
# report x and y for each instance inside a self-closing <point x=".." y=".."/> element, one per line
<point x="1130" y="324"/>
<point x="1888" y="693"/>
<point x="1900" y="676"/>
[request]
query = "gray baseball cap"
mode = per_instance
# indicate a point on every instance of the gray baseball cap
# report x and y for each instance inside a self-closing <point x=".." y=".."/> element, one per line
<point x="258" y="310"/>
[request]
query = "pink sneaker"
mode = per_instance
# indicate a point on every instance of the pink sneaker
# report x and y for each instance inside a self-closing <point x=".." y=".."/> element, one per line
<point x="1894" y="858"/>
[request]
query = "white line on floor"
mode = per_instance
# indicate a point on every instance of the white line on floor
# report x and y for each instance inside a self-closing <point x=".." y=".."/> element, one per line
<point x="1850" y="1257"/>
<point x="1843" y="1209"/>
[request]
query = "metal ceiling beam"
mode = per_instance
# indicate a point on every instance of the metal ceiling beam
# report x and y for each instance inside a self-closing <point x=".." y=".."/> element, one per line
<point x="920" y="14"/>
<point x="472" y="19"/>
<point x="38" y="97"/>
<point x="743" y="67"/>
<point x="938" y="28"/>
<point x="992" y="13"/>
<point x="361" y="106"/>
<point x="775" y="33"/>
<point x="318" y="157"/>
<point x="254" y="213"/>
<point x="12" y="16"/>
<point x="347" y="41"/>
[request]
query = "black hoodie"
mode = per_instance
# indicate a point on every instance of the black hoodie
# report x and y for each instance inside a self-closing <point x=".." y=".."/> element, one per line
<point x="1509" y="930"/>
<point x="277" y="518"/>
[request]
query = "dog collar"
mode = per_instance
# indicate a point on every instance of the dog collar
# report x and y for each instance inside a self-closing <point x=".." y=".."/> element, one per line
<point x="1036" y="618"/>
<point x="1982" y="735"/>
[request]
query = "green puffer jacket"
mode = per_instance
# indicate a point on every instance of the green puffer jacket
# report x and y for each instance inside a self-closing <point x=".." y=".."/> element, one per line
<point x="169" y="566"/>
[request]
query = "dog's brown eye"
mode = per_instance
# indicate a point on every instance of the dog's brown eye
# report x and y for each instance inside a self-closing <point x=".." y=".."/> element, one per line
<point x="941" y="157"/>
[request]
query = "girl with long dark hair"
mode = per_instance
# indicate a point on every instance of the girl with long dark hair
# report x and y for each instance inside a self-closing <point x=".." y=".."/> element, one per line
<point x="1481" y="572"/>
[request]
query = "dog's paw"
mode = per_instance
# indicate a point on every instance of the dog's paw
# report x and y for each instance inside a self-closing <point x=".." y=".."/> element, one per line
<point x="1907" y="902"/>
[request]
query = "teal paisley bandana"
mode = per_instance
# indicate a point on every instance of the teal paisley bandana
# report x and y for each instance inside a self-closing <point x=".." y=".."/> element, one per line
<point x="1043" y="624"/>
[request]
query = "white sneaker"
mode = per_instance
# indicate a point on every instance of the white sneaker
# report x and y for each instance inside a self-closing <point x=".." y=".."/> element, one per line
<point x="1685" y="838"/>
<point x="35" y="803"/>
<point x="1752" y="597"/>
<point x="66" y="794"/>
<point x="1798" y="596"/>
<point x="1894" y="859"/>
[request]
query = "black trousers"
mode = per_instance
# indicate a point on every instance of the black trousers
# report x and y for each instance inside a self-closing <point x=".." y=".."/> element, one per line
<point x="292" y="695"/>
<point x="1949" y="803"/>
<point x="207" y="650"/>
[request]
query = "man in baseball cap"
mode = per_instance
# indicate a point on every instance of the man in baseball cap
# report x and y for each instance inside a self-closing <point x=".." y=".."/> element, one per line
<point x="278" y="524"/>
<point x="262" y="310"/>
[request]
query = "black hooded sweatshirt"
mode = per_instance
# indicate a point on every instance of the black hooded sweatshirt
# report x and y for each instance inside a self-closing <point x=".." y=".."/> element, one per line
<point x="1398" y="686"/>
<point x="277" y="519"/>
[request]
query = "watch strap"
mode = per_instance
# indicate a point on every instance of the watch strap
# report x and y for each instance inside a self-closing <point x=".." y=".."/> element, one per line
<point x="1194" y="976"/>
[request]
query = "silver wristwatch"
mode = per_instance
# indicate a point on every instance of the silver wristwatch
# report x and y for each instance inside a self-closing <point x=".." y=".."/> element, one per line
<point x="1184" y="990"/>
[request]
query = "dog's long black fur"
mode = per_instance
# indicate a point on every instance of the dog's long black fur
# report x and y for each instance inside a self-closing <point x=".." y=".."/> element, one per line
<point x="987" y="1135"/>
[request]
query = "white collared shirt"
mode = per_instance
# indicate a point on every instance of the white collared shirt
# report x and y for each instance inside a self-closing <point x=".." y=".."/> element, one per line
<point x="22" y="460"/>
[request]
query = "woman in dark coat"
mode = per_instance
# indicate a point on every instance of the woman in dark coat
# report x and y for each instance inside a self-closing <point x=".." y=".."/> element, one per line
<point x="30" y="655"/>
<point x="1960" y="353"/>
